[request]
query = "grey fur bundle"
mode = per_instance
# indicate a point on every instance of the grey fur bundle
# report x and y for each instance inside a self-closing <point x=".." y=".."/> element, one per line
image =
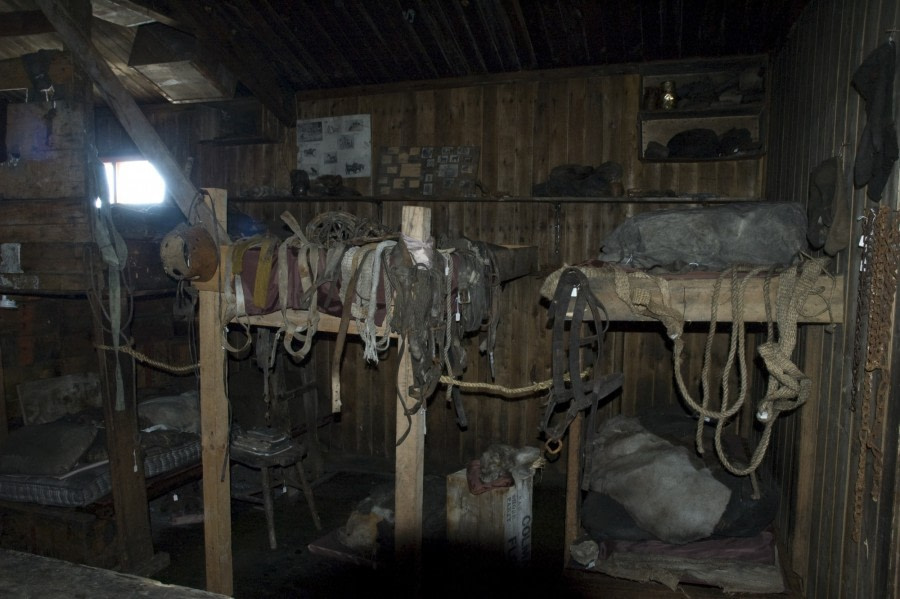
<point x="499" y="459"/>
<point x="656" y="482"/>
<point x="712" y="238"/>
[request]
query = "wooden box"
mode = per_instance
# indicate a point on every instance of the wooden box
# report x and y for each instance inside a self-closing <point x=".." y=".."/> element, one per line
<point x="175" y="62"/>
<point x="65" y="533"/>
<point x="238" y="122"/>
<point x="497" y="522"/>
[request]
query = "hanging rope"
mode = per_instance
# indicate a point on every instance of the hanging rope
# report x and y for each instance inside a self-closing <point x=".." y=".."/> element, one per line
<point x="788" y="387"/>
<point x="145" y="359"/>
<point x="495" y="389"/>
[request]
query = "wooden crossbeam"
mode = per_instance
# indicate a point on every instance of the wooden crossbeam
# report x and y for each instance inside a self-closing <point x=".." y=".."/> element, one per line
<point x="692" y="298"/>
<point x="24" y="22"/>
<point x="130" y="116"/>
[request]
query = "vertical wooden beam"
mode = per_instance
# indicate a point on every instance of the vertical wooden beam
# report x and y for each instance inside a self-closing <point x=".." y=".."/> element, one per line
<point x="410" y="457"/>
<point x="126" y="460"/>
<point x="214" y="428"/>
<point x="573" y="485"/>
<point x="214" y="432"/>
<point x="130" y="116"/>
<point x="806" y="458"/>
<point x="4" y="419"/>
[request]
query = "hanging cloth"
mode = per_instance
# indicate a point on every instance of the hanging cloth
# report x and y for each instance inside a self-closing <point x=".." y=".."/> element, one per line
<point x="114" y="254"/>
<point x="877" y="151"/>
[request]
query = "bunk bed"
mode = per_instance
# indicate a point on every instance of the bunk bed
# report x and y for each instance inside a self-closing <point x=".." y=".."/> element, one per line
<point x="804" y="294"/>
<point x="56" y="482"/>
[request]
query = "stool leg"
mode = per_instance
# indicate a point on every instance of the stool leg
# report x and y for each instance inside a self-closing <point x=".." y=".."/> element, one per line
<point x="267" y="505"/>
<point x="307" y="490"/>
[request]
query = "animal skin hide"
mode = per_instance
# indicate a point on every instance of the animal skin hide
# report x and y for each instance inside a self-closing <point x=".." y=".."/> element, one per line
<point x="656" y="482"/>
<point x="710" y="238"/>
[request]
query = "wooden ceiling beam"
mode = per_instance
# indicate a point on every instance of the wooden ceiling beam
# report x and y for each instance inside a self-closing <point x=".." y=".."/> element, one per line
<point x="371" y="43"/>
<point x="25" y="22"/>
<point x="406" y="50"/>
<point x="130" y="116"/>
<point x="517" y="31"/>
<point x="311" y="71"/>
<point x="256" y="73"/>
<point x="308" y="17"/>
<point x="346" y="32"/>
<point x="14" y="76"/>
<point x="147" y="8"/>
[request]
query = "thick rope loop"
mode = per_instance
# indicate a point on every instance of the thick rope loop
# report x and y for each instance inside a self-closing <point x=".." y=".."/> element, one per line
<point x="788" y="387"/>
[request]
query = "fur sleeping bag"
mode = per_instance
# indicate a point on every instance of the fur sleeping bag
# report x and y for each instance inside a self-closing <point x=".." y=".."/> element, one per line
<point x="656" y="482"/>
<point x="711" y="238"/>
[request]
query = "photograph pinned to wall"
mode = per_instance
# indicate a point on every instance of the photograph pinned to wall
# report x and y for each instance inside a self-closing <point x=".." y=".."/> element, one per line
<point x="428" y="171"/>
<point x="340" y="145"/>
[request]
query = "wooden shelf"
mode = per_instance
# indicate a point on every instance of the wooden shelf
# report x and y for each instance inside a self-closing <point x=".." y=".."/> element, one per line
<point x="691" y="295"/>
<point x="699" y="198"/>
<point x="753" y="109"/>
<point x="706" y="81"/>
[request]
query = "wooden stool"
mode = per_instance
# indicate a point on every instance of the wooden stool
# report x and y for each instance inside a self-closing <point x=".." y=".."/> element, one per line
<point x="287" y="458"/>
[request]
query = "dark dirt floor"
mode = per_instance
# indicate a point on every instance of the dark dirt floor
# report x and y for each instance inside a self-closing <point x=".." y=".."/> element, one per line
<point x="292" y="570"/>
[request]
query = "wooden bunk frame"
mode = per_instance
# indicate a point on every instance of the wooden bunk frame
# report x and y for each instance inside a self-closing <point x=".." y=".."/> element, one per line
<point x="409" y="461"/>
<point x="692" y="296"/>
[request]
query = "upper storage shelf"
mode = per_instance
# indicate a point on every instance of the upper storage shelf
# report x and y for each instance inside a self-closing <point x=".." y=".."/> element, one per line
<point x="703" y="110"/>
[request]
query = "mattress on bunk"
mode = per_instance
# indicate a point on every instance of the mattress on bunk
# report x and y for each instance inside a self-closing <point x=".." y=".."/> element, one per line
<point x="736" y="565"/>
<point x="164" y="451"/>
<point x="65" y="462"/>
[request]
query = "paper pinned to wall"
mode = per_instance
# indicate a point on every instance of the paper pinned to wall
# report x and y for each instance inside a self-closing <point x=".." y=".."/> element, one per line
<point x="340" y="145"/>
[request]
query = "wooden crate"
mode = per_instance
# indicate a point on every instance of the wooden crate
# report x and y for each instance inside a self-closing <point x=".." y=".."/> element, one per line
<point x="497" y="522"/>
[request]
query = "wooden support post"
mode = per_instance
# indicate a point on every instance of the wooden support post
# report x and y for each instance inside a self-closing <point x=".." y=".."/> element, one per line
<point x="126" y="459"/>
<point x="410" y="458"/>
<point x="813" y="340"/>
<point x="133" y="539"/>
<point x="130" y="116"/>
<point x="214" y="432"/>
<point x="214" y="428"/>
<point x="573" y="485"/>
<point x="4" y="419"/>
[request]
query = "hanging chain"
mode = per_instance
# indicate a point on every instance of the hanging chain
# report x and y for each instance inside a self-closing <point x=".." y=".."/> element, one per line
<point x="874" y="328"/>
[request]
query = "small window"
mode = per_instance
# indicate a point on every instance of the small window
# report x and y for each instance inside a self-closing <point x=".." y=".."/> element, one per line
<point x="134" y="182"/>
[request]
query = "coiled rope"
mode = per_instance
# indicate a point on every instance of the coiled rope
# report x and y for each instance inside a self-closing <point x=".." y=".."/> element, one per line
<point x="788" y="388"/>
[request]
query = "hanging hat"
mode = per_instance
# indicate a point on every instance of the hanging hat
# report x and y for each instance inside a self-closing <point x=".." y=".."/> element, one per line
<point x="878" y="150"/>
<point x="828" y="214"/>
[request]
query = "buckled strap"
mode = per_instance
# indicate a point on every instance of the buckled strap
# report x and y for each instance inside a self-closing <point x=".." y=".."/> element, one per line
<point x="263" y="271"/>
<point x="342" y="338"/>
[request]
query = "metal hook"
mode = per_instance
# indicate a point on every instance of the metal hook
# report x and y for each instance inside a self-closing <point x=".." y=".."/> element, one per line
<point x="841" y="151"/>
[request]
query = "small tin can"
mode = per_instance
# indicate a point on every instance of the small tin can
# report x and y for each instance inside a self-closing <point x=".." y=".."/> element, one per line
<point x="669" y="97"/>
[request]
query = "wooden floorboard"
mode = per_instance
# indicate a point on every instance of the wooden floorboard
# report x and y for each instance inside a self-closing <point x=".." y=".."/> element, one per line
<point x="27" y="575"/>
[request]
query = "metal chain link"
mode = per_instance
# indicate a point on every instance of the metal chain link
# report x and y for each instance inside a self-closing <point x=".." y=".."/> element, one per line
<point x="874" y="329"/>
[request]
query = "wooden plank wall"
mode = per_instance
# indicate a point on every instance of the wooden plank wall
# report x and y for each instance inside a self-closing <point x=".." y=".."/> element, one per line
<point x="49" y="336"/>
<point x="524" y="128"/>
<point x="817" y="114"/>
<point x="47" y="144"/>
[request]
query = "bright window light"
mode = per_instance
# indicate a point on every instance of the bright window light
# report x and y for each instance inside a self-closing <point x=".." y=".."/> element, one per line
<point x="134" y="182"/>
